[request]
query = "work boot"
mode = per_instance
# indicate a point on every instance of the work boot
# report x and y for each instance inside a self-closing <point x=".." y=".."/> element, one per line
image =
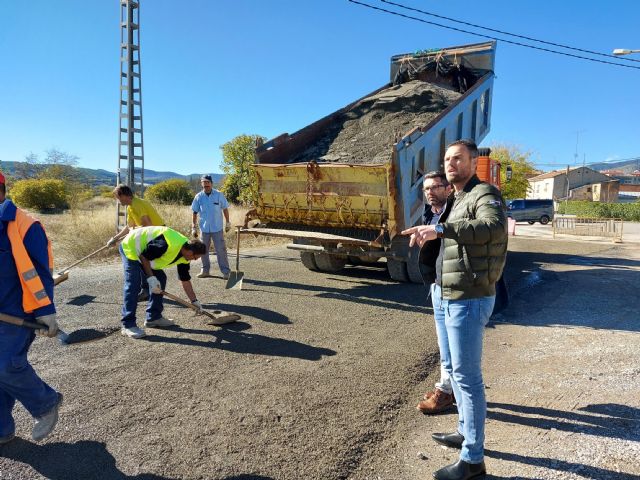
<point x="203" y="274"/>
<point x="451" y="440"/>
<point x="46" y="423"/>
<point x="436" y="403"/>
<point x="159" y="323"/>
<point x="7" y="438"/>
<point x="133" y="332"/>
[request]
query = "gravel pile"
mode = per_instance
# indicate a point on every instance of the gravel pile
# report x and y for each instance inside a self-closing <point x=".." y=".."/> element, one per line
<point x="365" y="133"/>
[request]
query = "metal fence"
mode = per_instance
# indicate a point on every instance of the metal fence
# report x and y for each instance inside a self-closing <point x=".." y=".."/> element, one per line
<point x="590" y="227"/>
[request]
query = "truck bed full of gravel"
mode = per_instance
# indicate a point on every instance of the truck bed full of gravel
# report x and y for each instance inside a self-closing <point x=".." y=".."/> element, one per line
<point x="366" y="132"/>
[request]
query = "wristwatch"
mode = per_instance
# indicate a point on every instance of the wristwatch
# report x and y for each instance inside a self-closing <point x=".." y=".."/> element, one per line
<point x="439" y="228"/>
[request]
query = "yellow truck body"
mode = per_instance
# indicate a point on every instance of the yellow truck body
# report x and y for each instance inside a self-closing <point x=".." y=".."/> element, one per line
<point x="342" y="196"/>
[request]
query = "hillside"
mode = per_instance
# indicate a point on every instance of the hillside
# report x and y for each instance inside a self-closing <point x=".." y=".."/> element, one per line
<point x="627" y="166"/>
<point x="98" y="177"/>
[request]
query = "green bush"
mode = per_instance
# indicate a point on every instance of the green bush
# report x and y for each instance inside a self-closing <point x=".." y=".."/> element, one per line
<point x="176" y="192"/>
<point x="42" y="194"/>
<point x="629" y="212"/>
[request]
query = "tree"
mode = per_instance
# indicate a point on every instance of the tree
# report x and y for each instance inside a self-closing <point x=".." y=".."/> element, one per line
<point x="40" y="194"/>
<point x="174" y="191"/>
<point x="59" y="165"/>
<point x="241" y="183"/>
<point x="521" y="169"/>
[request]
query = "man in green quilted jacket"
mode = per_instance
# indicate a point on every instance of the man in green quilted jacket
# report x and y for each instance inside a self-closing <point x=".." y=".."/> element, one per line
<point x="463" y="255"/>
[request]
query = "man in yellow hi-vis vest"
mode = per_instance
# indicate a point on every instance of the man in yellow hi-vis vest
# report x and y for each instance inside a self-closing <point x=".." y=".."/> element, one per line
<point x="148" y="251"/>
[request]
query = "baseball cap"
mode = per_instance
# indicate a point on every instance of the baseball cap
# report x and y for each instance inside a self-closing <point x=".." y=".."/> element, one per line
<point x="206" y="177"/>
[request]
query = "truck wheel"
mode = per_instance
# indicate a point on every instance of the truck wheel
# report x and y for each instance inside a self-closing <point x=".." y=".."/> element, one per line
<point x="308" y="260"/>
<point x="413" y="265"/>
<point x="544" y="219"/>
<point x="397" y="270"/>
<point x="330" y="263"/>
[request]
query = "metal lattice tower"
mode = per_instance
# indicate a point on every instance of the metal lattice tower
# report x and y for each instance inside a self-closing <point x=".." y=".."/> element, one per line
<point x="131" y="146"/>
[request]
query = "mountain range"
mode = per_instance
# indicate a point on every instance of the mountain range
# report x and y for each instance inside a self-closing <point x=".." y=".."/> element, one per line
<point x="627" y="166"/>
<point x="98" y="177"/>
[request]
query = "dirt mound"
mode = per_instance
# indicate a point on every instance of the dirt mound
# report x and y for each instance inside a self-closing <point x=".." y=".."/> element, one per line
<point x="366" y="132"/>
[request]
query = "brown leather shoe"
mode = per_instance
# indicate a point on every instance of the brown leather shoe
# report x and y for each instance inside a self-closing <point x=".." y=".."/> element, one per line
<point x="429" y="394"/>
<point x="436" y="403"/>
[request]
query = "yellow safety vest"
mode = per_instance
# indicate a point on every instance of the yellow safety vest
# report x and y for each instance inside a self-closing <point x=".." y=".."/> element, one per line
<point x="136" y="242"/>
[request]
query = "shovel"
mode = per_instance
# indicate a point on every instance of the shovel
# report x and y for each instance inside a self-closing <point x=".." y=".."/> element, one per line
<point x="235" y="277"/>
<point x="79" y="336"/>
<point x="64" y="275"/>
<point x="218" y="317"/>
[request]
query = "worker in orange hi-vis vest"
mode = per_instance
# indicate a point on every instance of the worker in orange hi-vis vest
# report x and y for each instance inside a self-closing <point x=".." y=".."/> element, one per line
<point x="26" y="291"/>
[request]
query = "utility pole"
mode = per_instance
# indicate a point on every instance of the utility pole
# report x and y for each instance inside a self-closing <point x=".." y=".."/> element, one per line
<point x="130" y="145"/>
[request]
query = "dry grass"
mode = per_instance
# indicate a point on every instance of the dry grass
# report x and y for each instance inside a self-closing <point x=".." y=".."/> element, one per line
<point x="83" y="230"/>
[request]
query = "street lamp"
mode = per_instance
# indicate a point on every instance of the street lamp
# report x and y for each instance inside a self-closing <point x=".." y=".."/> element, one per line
<point x="624" y="51"/>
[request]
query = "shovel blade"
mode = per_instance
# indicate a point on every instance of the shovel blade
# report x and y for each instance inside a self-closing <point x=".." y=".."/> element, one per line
<point x="60" y="277"/>
<point x="235" y="281"/>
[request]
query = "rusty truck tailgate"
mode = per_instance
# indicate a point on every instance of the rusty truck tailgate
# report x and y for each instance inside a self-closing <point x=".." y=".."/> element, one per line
<point x="326" y="195"/>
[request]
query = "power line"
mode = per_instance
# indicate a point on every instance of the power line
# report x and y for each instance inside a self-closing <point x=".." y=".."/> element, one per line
<point x="510" y="34"/>
<point x="422" y="20"/>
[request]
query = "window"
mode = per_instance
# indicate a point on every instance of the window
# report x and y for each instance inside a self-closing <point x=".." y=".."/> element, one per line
<point x="460" y="124"/>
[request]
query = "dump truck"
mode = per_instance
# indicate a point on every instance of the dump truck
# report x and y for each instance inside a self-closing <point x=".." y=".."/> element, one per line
<point x="344" y="187"/>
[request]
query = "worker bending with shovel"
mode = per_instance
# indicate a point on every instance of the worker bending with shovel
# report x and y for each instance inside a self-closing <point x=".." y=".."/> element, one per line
<point x="148" y="251"/>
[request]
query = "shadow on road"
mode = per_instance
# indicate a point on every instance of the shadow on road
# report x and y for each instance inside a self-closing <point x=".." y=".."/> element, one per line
<point x="579" y="469"/>
<point x="259" y="313"/>
<point x="232" y="338"/>
<point x="64" y="461"/>
<point x="394" y="296"/>
<point x="248" y="477"/>
<point x="613" y="421"/>
<point x="532" y="286"/>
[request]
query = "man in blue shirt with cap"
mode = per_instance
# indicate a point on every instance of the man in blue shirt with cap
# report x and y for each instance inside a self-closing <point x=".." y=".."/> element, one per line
<point x="211" y="205"/>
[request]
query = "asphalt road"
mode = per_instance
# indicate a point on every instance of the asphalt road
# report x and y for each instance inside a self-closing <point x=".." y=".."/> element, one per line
<point x="304" y="386"/>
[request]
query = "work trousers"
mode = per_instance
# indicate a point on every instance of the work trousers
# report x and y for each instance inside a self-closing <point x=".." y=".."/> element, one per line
<point x="460" y="329"/>
<point x="221" y="251"/>
<point x="18" y="380"/>
<point x="133" y="274"/>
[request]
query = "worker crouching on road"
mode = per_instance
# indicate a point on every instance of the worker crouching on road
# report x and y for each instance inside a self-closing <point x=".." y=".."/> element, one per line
<point x="148" y="251"/>
<point x="26" y="291"/>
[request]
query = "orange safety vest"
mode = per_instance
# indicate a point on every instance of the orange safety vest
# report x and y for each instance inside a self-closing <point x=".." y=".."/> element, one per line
<point x="33" y="293"/>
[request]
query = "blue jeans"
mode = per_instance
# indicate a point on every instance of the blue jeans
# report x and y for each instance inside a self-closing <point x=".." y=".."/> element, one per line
<point x="221" y="251"/>
<point x="133" y="275"/>
<point x="18" y="380"/>
<point x="460" y="329"/>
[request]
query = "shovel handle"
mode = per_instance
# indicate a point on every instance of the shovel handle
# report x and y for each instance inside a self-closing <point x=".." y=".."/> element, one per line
<point x="66" y="270"/>
<point x="186" y="304"/>
<point x="238" y="248"/>
<point x="21" y="322"/>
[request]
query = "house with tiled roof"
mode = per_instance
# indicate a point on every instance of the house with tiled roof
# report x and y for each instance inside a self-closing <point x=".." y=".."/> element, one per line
<point x="577" y="183"/>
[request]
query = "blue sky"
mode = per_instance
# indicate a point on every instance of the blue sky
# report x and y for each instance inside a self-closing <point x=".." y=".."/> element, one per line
<point x="214" y="69"/>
